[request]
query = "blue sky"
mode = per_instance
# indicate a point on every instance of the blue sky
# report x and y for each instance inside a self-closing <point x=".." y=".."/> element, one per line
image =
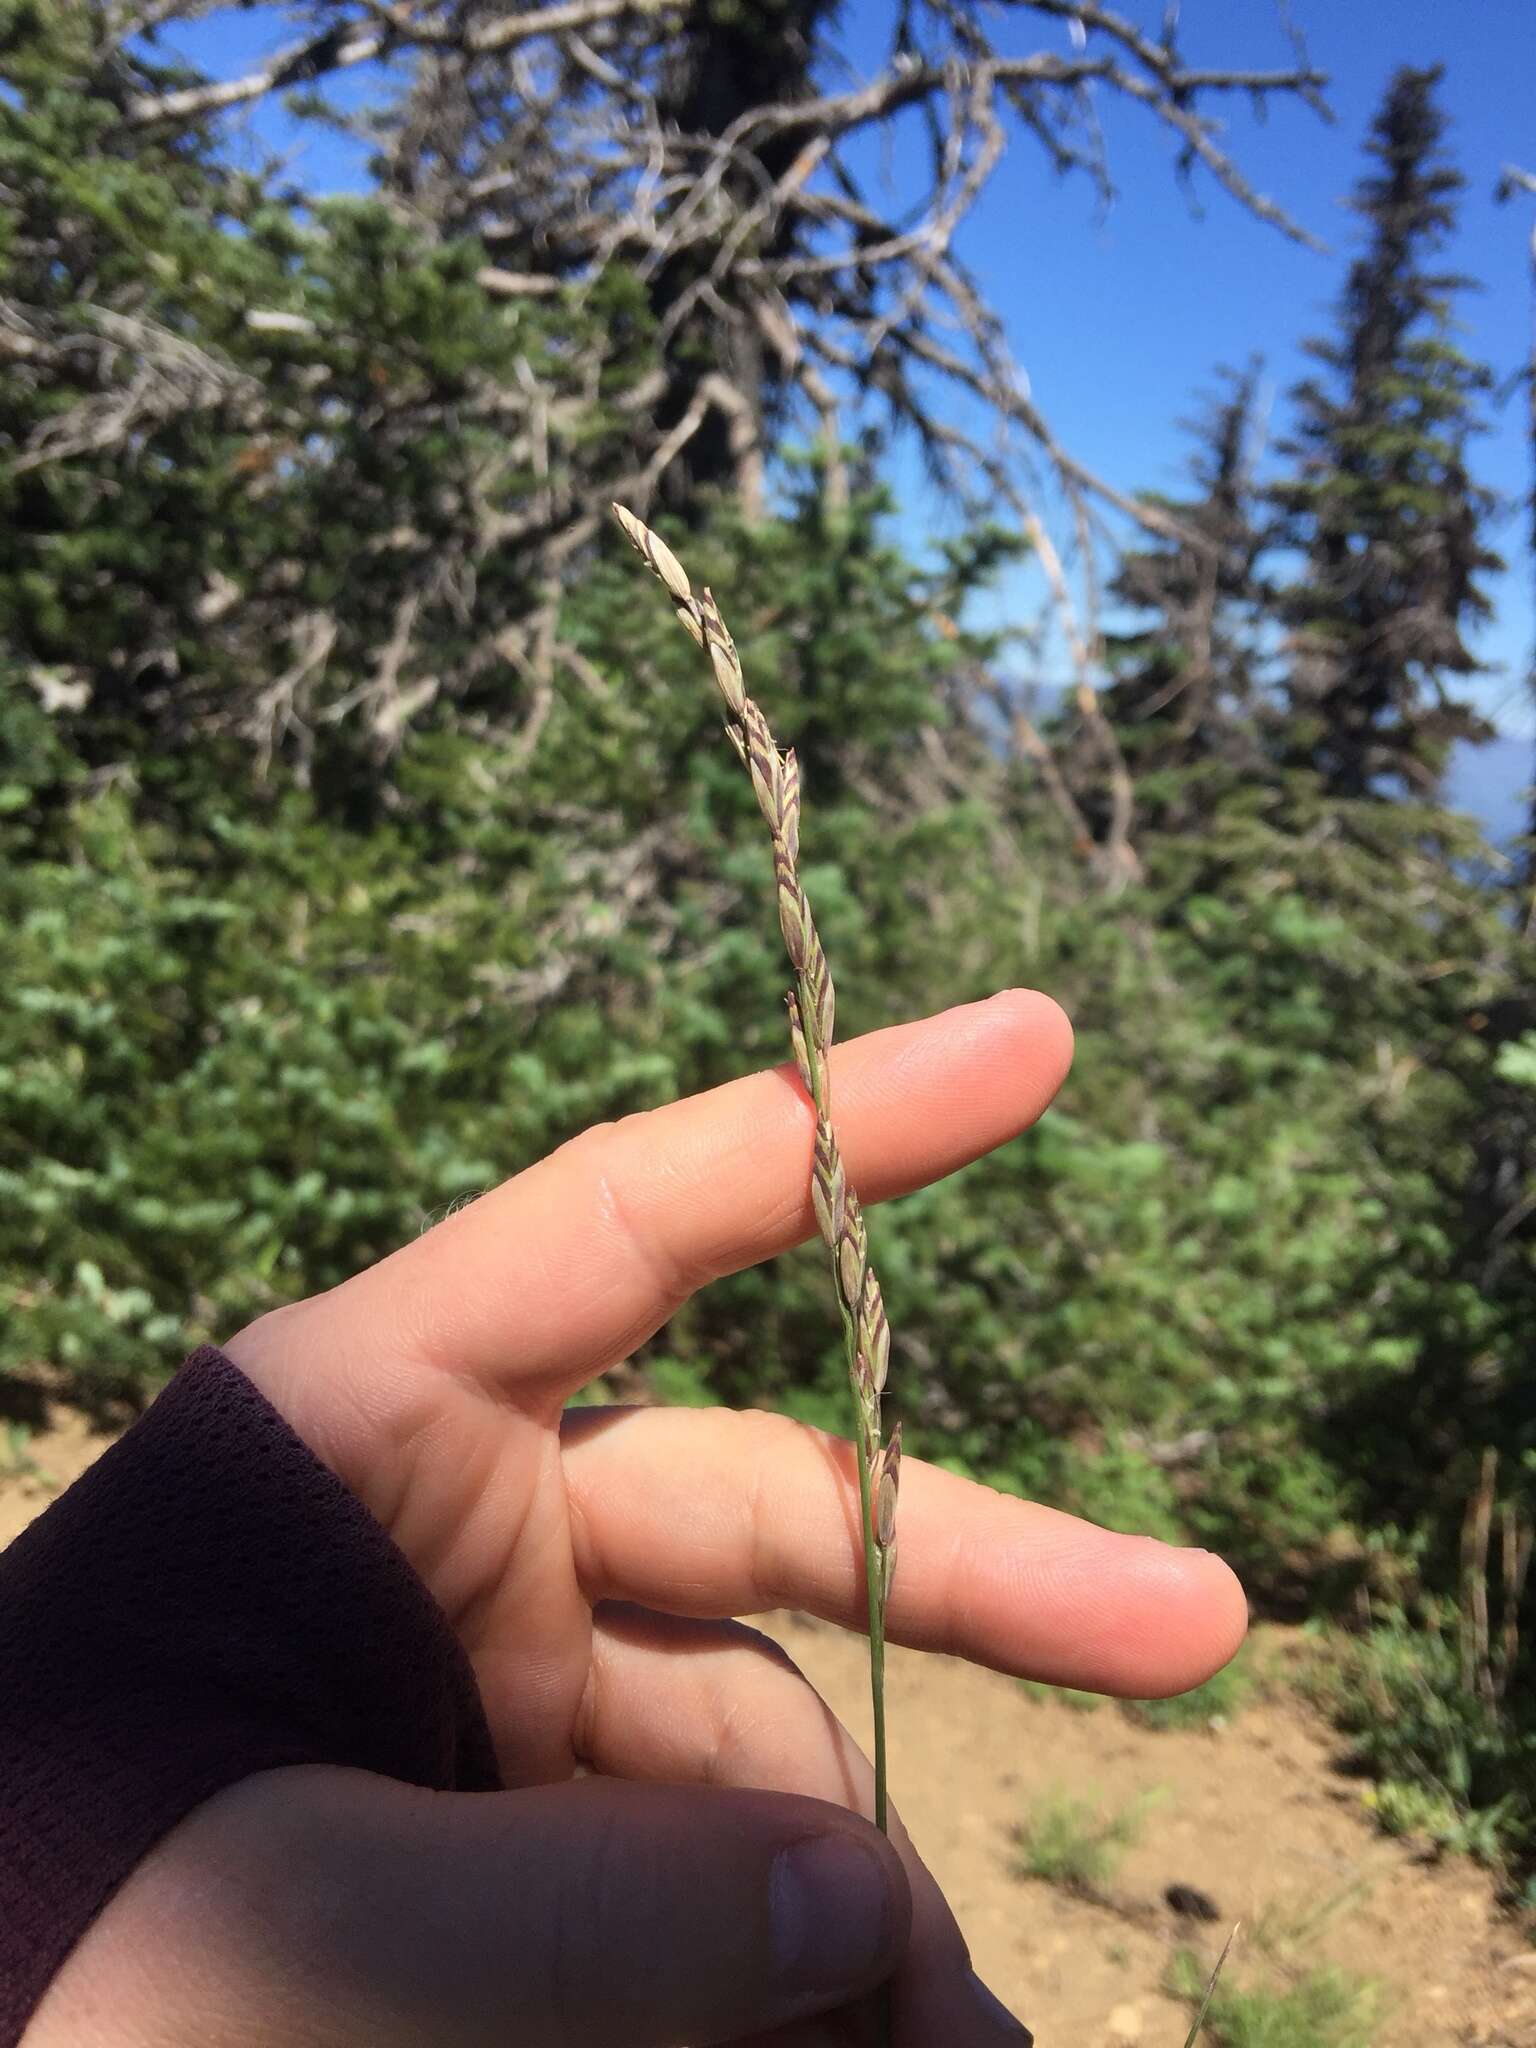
<point x="1120" y="317"/>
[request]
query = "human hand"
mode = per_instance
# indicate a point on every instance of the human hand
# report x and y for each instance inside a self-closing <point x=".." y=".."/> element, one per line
<point x="592" y="1565"/>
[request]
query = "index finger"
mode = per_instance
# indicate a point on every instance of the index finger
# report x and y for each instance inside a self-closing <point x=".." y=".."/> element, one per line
<point x="562" y="1271"/>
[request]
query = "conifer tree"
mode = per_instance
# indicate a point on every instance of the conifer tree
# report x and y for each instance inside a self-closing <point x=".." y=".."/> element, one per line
<point x="1499" y="1229"/>
<point x="258" y="473"/>
<point x="1187" y="672"/>
<point x="1517" y="182"/>
<point x="1381" y="505"/>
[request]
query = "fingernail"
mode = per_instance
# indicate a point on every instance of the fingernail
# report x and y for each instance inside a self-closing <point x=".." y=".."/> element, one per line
<point x="829" y="1903"/>
<point x="997" y="2019"/>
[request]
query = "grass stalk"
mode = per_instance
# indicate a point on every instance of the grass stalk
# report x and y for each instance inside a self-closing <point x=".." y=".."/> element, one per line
<point x="812" y="1008"/>
<point x="1193" y="2036"/>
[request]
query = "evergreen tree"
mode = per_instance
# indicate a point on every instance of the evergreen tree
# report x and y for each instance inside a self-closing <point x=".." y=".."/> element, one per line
<point x="1187" y="678"/>
<point x="1382" y="505"/>
<point x="256" y="475"/>
<point x="1498" y="1237"/>
<point x="1517" y="182"/>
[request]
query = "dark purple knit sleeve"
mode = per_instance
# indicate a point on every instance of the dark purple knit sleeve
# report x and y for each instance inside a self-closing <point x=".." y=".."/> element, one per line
<point x="208" y="1601"/>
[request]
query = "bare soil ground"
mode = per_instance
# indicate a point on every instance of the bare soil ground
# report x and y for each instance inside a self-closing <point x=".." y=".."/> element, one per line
<point x="34" y="1470"/>
<point x="1256" y="1814"/>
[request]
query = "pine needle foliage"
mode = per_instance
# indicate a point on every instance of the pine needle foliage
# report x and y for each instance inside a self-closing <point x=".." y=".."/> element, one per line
<point x="1382" y="504"/>
<point x="1189" y="674"/>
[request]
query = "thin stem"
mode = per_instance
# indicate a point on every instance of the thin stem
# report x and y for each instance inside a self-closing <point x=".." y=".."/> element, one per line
<point x="1193" y="2036"/>
<point x="876" y="1634"/>
<point x="874" y="1588"/>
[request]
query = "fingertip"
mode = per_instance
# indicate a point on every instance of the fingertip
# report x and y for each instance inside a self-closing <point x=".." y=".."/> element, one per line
<point x="1196" y="1613"/>
<point x="1056" y="1598"/>
<point x="1045" y="1028"/>
<point x="1218" y="1591"/>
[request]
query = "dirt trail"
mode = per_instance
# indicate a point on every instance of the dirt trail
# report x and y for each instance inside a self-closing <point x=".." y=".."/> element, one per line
<point x="1255" y="1814"/>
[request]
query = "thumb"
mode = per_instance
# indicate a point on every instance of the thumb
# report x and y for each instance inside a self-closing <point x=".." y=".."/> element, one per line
<point x="341" y="1910"/>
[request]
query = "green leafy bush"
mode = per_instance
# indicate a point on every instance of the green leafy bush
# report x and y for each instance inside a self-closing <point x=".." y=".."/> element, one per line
<point x="1450" y="1766"/>
<point x="255" y="1035"/>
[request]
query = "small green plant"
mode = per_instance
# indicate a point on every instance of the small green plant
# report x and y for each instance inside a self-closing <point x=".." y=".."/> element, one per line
<point x="1204" y="1706"/>
<point x="1068" y="1841"/>
<point x="1450" y="1766"/>
<point x="1427" y="1814"/>
<point x="1323" y="2009"/>
<point x="1287" y="1930"/>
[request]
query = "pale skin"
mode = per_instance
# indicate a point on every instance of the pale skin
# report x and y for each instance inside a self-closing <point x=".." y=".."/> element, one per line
<point x="595" y="1567"/>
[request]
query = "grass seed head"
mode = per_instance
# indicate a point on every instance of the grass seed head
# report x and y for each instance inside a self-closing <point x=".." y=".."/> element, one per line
<point x="818" y="981"/>
<point x="763" y="763"/>
<point x="723" y="658"/>
<point x="874" y="1330"/>
<point x="794" y="912"/>
<point x="829" y="1184"/>
<point x="851" y="1267"/>
<point x="789" y="807"/>
<point x="885" y="1510"/>
<point x="661" y="561"/>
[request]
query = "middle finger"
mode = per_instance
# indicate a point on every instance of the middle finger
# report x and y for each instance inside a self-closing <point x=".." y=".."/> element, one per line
<point x="708" y="1513"/>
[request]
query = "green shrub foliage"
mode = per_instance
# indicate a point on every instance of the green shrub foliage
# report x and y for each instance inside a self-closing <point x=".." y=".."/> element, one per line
<point x="253" y="1037"/>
